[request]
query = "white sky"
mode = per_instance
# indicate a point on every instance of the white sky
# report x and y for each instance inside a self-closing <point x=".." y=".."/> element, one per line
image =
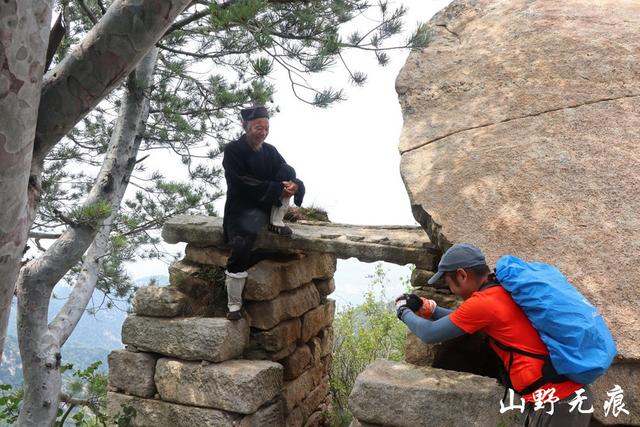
<point x="347" y="155"/>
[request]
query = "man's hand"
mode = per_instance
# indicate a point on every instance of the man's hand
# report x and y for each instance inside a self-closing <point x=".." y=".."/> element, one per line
<point x="427" y="308"/>
<point x="423" y="307"/>
<point x="291" y="187"/>
<point x="401" y="306"/>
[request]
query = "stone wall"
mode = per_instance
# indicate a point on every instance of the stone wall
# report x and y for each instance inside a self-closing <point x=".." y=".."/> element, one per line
<point x="185" y="364"/>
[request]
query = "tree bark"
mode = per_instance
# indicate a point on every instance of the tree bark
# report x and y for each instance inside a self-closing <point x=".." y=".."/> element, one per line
<point x="24" y="33"/>
<point x="40" y="343"/>
<point x="34" y="116"/>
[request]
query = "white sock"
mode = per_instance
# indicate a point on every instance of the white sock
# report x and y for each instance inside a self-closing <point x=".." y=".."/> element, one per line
<point x="235" y="285"/>
<point x="278" y="212"/>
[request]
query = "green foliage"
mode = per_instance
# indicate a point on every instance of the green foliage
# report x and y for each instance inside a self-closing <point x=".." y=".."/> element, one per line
<point x="10" y="403"/>
<point x="363" y="334"/>
<point x="91" y="213"/>
<point x="85" y="401"/>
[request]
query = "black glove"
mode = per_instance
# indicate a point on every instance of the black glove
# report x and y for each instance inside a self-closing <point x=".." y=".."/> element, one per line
<point x="414" y="302"/>
<point x="407" y="302"/>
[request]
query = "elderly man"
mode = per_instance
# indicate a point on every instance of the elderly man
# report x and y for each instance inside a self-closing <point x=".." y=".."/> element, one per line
<point x="260" y="185"/>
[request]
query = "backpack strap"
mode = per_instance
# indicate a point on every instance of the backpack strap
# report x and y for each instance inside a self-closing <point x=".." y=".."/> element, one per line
<point x="549" y="374"/>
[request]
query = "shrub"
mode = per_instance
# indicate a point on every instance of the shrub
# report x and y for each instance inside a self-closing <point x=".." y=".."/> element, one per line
<point x="363" y="333"/>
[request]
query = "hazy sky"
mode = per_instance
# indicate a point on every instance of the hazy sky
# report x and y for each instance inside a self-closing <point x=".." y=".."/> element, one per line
<point x="347" y="155"/>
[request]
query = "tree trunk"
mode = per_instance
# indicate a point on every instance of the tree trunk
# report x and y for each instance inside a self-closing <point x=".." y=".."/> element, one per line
<point x="24" y="33"/>
<point x="75" y="86"/>
<point x="40" y="343"/>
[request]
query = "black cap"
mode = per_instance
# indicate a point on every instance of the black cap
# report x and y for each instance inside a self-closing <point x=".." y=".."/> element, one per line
<point x="257" y="112"/>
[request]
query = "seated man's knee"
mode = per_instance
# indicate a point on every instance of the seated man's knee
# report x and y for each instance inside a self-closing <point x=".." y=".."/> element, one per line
<point x="253" y="221"/>
<point x="286" y="173"/>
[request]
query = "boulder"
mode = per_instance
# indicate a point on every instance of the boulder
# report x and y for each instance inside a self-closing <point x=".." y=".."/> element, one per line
<point x="446" y="398"/>
<point x="240" y="386"/>
<point x="156" y="413"/>
<point x="521" y="135"/>
<point x="268" y="278"/>
<point x="267" y="314"/>
<point x="206" y="338"/>
<point x="132" y="373"/>
<point x="159" y="301"/>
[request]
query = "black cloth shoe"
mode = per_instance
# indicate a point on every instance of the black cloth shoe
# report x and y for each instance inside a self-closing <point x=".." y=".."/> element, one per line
<point x="234" y="315"/>
<point x="281" y="231"/>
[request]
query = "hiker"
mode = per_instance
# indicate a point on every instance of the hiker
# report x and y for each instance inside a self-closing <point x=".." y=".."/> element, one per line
<point x="260" y="186"/>
<point x="490" y="308"/>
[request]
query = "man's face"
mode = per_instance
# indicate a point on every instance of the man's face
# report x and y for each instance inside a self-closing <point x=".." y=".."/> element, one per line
<point x="461" y="283"/>
<point x="257" y="131"/>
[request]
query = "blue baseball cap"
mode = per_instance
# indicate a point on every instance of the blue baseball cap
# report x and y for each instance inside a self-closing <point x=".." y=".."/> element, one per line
<point x="461" y="255"/>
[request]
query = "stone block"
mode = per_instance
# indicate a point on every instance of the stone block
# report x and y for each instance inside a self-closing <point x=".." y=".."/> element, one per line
<point x="261" y="354"/>
<point x="279" y="337"/>
<point x="295" y="391"/>
<point x="297" y="362"/>
<point x="315" y="345"/>
<point x="295" y="418"/>
<point x="207" y="338"/>
<point x="240" y="386"/>
<point x="318" y="395"/>
<point x="419" y="277"/>
<point x="267" y="314"/>
<point x="269" y="278"/>
<point x="325" y="286"/>
<point x="434" y="392"/>
<point x="203" y="285"/>
<point x="327" y="337"/>
<point x="132" y="373"/>
<point x="317" y="319"/>
<point x="271" y="415"/>
<point x="417" y="352"/>
<point x="159" y="301"/>
<point x="208" y="255"/>
<point x="156" y="413"/>
<point x="317" y="419"/>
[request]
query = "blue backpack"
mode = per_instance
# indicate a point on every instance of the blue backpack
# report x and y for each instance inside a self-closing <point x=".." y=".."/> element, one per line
<point x="581" y="347"/>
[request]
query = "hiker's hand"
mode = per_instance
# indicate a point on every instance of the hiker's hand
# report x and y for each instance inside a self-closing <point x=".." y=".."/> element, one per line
<point x="401" y="305"/>
<point x="427" y="308"/>
<point x="286" y="190"/>
<point x="291" y="187"/>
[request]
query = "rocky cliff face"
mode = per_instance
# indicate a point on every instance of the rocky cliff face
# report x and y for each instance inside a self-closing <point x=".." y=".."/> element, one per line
<point x="522" y="135"/>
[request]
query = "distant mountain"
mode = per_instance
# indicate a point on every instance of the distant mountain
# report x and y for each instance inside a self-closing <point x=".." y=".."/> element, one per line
<point x="95" y="336"/>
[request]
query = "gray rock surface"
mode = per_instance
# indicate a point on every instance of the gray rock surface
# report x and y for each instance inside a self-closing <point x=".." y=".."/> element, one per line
<point x="132" y="372"/>
<point x="206" y="338"/>
<point x="268" y="278"/>
<point x="522" y="136"/>
<point x="159" y="301"/>
<point x="240" y="386"/>
<point x="396" y="244"/>
<point x="271" y="415"/>
<point x="290" y="304"/>
<point x="445" y="398"/>
<point x="279" y="337"/>
<point x="317" y="319"/>
<point x="150" y="412"/>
